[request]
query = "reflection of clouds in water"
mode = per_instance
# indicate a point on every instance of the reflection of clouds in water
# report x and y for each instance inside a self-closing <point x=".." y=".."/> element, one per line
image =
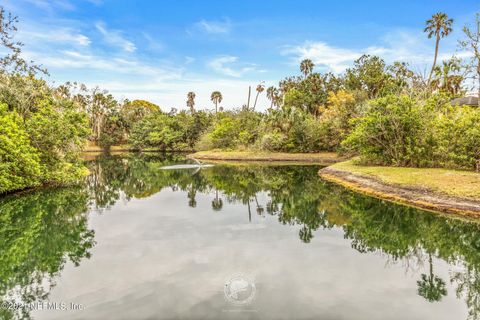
<point x="158" y="256"/>
<point x="240" y="227"/>
<point x="173" y="261"/>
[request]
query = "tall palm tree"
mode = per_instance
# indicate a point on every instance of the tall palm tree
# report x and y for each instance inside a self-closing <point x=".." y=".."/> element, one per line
<point x="439" y="26"/>
<point x="217" y="203"/>
<point x="260" y="208"/>
<point x="259" y="89"/>
<point x="272" y="95"/>
<point x="191" y="194"/>
<point x="431" y="287"/>
<point x="191" y="101"/>
<point x="306" y="67"/>
<point x="216" y="98"/>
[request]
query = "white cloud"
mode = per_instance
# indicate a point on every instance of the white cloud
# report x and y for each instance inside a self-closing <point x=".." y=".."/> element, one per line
<point x="50" y="5"/>
<point x="398" y="45"/>
<point x="58" y="35"/>
<point x="214" y="27"/>
<point x="189" y="60"/>
<point x="70" y="60"/>
<point x="322" y="54"/>
<point x="153" y="43"/>
<point x="225" y="65"/>
<point x="115" y="37"/>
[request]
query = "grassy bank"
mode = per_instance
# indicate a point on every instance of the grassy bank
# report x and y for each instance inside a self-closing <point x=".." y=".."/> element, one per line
<point x="465" y="184"/>
<point x="322" y="157"/>
<point x="451" y="191"/>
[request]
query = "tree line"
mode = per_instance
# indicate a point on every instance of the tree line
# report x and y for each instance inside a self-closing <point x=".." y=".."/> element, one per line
<point x="385" y="113"/>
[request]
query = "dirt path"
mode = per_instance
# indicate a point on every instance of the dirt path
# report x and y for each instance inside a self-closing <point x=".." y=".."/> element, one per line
<point x="417" y="197"/>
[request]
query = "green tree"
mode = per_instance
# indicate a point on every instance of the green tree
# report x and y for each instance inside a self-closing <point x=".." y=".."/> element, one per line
<point x="273" y="96"/>
<point x="392" y="132"/>
<point x="19" y="160"/>
<point x="431" y="287"/>
<point x="217" y="203"/>
<point x="440" y="26"/>
<point x="472" y="42"/>
<point x="191" y="101"/>
<point x="369" y="74"/>
<point x="448" y="78"/>
<point x="133" y="111"/>
<point x="259" y="89"/>
<point x="306" y="67"/>
<point x="216" y="98"/>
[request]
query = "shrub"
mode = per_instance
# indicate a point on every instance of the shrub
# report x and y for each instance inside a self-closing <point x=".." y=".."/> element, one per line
<point x="457" y="132"/>
<point x="225" y="133"/>
<point x="394" y="131"/>
<point x="58" y="132"/>
<point x="273" y="141"/>
<point x="19" y="161"/>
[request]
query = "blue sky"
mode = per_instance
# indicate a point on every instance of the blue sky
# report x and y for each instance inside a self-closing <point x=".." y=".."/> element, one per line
<point x="160" y="50"/>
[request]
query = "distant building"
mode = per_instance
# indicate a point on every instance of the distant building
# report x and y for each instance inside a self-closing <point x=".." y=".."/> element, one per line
<point x="465" y="101"/>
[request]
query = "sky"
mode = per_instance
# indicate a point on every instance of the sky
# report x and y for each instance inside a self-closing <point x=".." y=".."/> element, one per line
<point x="161" y="50"/>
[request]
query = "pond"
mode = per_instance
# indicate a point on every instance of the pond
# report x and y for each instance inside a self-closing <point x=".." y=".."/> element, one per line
<point x="231" y="241"/>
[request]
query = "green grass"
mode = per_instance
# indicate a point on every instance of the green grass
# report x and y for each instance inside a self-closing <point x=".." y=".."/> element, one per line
<point x="465" y="184"/>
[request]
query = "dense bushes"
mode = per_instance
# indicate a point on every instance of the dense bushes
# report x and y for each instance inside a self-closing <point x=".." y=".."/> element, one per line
<point x="59" y="132"/>
<point x="42" y="128"/>
<point x="163" y="131"/>
<point x="457" y="131"/>
<point x="404" y="131"/>
<point x="232" y="129"/>
<point x="391" y="132"/>
<point x="19" y="161"/>
<point x="42" y="148"/>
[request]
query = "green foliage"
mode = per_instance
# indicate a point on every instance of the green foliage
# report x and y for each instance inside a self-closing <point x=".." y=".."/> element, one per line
<point x="392" y="132"/>
<point x="274" y="141"/>
<point x="39" y="233"/>
<point x="231" y="130"/>
<point x="136" y="110"/>
<point x="59" y="133"/>
<point x="169" y="132"/>
<point x="19" y="161"/>
<point x="403" y="131"/>
<point x="457" y="132"/>
<point x="42" y="129"/>
<point x="225" y="133"/>
<point x="373" y="76"/>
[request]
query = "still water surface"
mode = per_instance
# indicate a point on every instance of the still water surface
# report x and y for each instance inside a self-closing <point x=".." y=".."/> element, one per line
<point x="229" y="242"/>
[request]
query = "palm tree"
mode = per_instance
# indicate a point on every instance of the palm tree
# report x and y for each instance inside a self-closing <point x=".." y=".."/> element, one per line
<point x="217" y="203"/>
<point x="259" y="89"/>
<point x="191" y="101"/>
<point x="260" y="209"/>
<point x="216" y="98"/>
<point x="431" y="287"/>
<point x="447" y="78"/>
<point x="439" y="26"/>
<point x="191" y="194"/>
<point x="306" y="67"/>
<point x="272" y="95"/>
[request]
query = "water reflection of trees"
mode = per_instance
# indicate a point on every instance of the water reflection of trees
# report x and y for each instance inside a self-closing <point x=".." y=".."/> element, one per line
<point x="297" y="197"/>
<point x="39" y="233"/>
